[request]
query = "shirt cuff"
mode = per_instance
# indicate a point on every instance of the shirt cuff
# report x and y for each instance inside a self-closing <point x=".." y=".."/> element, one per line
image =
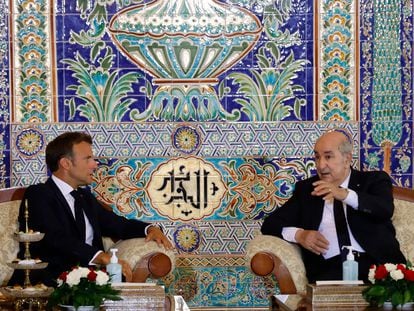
<point x="91" y="263"/>
<point x="352" y="199"/>
<point x="288" y="234"/>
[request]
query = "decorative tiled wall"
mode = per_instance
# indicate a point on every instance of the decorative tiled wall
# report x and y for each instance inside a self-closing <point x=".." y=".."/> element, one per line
<point x="204" y="112"/>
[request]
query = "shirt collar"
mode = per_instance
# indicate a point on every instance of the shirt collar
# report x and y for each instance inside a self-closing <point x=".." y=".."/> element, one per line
<point x="63" y="186"/>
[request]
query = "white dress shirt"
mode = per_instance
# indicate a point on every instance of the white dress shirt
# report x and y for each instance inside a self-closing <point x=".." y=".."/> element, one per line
<point x="66" y="189"/>
<point x="327" y="226"/>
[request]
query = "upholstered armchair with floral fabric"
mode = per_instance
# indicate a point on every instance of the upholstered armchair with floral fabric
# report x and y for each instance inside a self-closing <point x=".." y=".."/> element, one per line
<point x="147" y="259"/>
<point x="271" y="255"/>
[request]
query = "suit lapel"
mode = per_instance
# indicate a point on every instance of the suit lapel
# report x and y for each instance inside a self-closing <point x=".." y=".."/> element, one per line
<point x="354" y="180"/>
<point x="63" y="203"/>
<point x="317" y="205"/>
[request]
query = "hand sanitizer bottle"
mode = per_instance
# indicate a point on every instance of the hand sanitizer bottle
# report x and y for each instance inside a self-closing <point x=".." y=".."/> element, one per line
<point x="350" y="266"/>
<point x="114" y="269"/>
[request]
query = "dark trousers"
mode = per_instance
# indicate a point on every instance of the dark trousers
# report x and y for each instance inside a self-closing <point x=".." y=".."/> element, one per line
<point x="323" y="269"/>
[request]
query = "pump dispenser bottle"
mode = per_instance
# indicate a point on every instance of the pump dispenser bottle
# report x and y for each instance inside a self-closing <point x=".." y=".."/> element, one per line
<point x="350" y="266"/>
<point x="114" y="269"/>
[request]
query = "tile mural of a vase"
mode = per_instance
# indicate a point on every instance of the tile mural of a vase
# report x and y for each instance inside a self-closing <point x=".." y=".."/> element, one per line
<point x="185" y="45"/>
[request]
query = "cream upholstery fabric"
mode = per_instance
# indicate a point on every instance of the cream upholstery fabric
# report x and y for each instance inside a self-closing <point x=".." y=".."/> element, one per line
<point x="290" y="255"/>
<point x="403" y="221"/>
<point x="10" y="246"/>
<point x="133" y="250"/>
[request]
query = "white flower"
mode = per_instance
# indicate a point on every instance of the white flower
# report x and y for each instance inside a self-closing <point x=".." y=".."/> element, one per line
<point x="371" y="275"/>
<point x="59" y="282"/>
<point x="84" y="272"/>
<point x="397" y="275"/>
<point x="73" y="278"/>
<point x="102" y="278"/>
<point x="390" y="267"/>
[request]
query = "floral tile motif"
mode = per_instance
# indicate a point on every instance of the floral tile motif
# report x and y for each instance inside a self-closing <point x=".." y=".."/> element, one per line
<point x="186" y="139"/>
<point x="187" y="238"/>
<point x="337" y="44"/>
<point x="386" y="84"/>
<point x="226" y="287"/>
<point x="4" y="100"/>
<point x="30" y="142"/>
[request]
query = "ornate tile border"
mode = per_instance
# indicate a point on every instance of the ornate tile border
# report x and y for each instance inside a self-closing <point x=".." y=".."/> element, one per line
<point x="4" y="99"/>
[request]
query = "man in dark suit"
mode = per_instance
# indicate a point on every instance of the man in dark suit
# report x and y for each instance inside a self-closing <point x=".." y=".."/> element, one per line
<point x="52" y="210"/>
<point x="307" y="218"/>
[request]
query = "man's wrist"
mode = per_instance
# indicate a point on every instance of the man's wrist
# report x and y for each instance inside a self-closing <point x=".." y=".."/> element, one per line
<point x="346" y="193"/>
<point x="298" y="235"/>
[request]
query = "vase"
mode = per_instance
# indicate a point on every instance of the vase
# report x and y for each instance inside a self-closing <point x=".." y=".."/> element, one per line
<point x="80" y="308"/>
<point x="185" y="39"/>
<point x="185" y="45"/>
<point x="407" y="306"/>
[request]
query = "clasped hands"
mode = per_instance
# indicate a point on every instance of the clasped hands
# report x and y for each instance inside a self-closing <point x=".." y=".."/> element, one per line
<point x="313" y="240"/>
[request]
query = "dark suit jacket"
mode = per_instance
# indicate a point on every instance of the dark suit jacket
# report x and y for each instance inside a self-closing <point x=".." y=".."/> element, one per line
<point x="371" y="224"/>
<point x="62" y="246"/>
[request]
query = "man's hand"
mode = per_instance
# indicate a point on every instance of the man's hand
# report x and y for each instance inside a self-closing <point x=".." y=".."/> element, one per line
<point x="155" y="234"/>
<point x="105" y="258"/>
<point x="313" y="241"/>
<point x="329" y="191"/>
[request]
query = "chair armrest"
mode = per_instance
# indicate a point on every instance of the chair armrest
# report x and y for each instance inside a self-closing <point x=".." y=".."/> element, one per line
<point x="271" y="255"/>
<point x="146" y="259"/>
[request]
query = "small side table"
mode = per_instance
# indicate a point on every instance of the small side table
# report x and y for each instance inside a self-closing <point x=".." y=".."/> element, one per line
<point x="299" y="303"/>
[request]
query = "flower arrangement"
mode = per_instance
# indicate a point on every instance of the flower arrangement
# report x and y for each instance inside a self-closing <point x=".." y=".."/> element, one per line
<point x="390" y="283"/>
<point x="83" y="287"/>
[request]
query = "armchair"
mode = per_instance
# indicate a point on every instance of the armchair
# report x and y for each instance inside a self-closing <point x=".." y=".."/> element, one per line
<point x="272" y="255"/>
<point x="147" y="259"/>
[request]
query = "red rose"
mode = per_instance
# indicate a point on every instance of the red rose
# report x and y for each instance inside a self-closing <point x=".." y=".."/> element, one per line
<point x="409" y="275"/>
<point x="63" y="276"/>
<point x="92" y="276"/>
<point x="381" y="273"/>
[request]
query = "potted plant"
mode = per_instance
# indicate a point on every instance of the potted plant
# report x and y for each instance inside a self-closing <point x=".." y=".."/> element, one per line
<point x="391" y="283"/>
<point x="82" y="287"/>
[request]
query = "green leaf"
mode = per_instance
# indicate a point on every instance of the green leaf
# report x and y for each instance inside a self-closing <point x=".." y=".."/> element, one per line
<point x="396" y="299"/>
<point x="411" y="289"/>
<point x="376" y="290"/>
<point x="407" y="296"/>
